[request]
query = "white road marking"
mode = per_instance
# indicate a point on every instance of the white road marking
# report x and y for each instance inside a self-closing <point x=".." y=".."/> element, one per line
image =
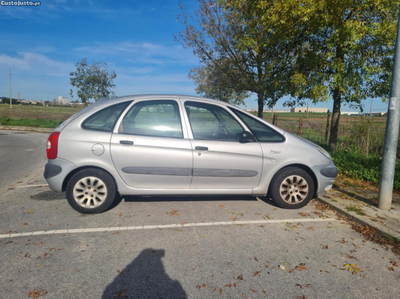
<point x="27" y="186"/>
<point x="161" y="226"/>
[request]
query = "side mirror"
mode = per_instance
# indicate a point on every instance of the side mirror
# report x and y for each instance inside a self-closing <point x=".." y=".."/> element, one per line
<point x="246" y="137"/>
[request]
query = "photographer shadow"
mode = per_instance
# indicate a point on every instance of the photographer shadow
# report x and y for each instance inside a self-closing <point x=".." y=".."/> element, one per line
<point x="145" y="277"/>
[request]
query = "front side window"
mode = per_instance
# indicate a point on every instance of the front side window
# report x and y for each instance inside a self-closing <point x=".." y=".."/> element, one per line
<point x="212" y="122"/>
<point x="105" y="119"/>
<point x="261" y="131"/>
<point x="153" y="118"/>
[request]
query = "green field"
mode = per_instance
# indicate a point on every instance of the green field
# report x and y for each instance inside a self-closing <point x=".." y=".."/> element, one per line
<point x="34" y="116"/>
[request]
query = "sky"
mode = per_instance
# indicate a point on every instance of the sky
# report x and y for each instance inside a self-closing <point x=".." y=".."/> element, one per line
<point x="40" y="45"/>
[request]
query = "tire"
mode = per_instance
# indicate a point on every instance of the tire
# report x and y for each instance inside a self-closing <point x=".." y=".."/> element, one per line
<point x="83" y="195"/>
<point x="292" y="188"/>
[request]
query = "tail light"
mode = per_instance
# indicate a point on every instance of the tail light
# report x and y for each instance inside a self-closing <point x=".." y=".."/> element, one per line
<point x="52" y="145"/>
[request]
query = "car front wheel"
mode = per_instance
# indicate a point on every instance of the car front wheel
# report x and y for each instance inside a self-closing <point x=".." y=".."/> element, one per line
<point x="91" y="191"/>
<point x="292" y="188"/>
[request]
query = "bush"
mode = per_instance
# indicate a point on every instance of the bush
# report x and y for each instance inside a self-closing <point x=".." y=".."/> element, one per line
<point x="352" y="163"/>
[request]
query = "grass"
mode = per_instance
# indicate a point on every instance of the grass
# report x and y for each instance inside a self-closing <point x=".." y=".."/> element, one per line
<point x="37" y="112"/>
<point x="355" y="209"/>
<point x="34" y="116"/>
<point x="29" y="122"/>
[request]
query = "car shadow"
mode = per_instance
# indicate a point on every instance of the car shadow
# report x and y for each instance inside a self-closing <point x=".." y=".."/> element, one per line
<point x="49" y="195"/>
<point x="145" y="277"/>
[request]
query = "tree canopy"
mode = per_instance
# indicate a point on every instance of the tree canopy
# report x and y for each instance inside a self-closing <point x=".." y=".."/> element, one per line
<point x="237" y="49"/>
<point x="92" y="81"/>
<point x="307" y="49"/>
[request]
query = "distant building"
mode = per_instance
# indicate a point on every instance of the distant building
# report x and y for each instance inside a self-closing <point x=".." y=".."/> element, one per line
<point x="62" y="101"/>
<point x="270" y="110"/>
<point x="312" y="110"/>
<point x="350" y="113"/>
<point x="374" y="114"/>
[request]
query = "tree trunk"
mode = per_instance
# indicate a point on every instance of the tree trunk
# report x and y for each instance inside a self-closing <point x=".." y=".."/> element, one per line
<point x="335" y="119"/>
<point x="260" y="101"/>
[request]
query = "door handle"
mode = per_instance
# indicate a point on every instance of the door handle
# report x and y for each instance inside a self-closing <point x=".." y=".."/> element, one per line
<point x="126" y="142"/>
<point x="201" y="148"/>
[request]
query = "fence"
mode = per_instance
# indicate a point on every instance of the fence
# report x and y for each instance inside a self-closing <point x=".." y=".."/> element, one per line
<point x="364" y="133"/>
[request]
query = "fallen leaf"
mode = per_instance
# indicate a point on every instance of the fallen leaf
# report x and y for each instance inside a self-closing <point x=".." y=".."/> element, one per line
<point x="310" y="228"/>
<point x="121" y="293"/>
<point x="301" y="267"/>
<point x="220" y="291"/>
<point x="30" y="211"/>
<point x="282" y="267"/>
<point x="36" y="294"/>
<point x="39" y="243"/>
<point x="304" y="214"/>
<point x="256" y="273"/>
<point x="173" y="212"/>
<point x="221" y="206"/>
<point x="325" y="247"/>
<point x="254" y="291"/>
<point x="240" y="277"/>
<point x="266" y="266"/>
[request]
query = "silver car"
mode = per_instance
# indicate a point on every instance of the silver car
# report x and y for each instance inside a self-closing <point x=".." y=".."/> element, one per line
<point x="180" y="145"/>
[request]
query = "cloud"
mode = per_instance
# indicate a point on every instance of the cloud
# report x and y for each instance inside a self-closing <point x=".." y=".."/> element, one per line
<point x="36" y="64"/>
<point x="141" y="53"/>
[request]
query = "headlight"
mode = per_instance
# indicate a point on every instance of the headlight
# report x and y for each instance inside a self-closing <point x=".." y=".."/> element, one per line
<point x="324" y="152"/>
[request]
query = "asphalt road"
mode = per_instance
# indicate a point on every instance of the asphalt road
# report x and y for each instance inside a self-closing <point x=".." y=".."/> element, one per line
<point x="20" y="154"/>
<point x="170" y="247"/>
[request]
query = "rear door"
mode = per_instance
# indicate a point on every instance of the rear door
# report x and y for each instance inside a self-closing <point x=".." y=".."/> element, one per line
<point x="220" y="161"/>
<point x="149" y="149"/>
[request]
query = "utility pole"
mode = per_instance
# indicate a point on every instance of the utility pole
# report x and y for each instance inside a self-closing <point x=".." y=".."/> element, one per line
<point x="392" y="133"/>
<point x="9" y="71"/>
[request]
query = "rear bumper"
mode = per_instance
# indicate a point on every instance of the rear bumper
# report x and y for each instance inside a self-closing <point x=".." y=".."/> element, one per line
<point x="326" y="175"/>
<point x="56" y="171"/>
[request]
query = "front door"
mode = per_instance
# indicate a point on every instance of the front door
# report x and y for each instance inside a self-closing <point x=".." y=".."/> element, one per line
<point x="149" y="150"/>
<point x="220" y="161"/>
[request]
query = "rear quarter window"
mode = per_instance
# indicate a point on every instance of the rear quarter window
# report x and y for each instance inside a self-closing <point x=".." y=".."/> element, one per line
<point x="105" y="119"/>
<point x="261" y="131"/>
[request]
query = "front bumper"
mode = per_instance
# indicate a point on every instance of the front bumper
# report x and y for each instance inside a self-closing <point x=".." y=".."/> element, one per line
<point x="56" y="171"/>
<point x="326" y="175"/>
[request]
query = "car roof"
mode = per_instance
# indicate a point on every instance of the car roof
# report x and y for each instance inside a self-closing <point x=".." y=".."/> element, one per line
<point x="160" y="96"/>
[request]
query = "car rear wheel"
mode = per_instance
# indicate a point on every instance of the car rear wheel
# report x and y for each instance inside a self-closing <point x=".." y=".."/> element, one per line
<point x="292" y="188"/>
<point x="91" y="191"/>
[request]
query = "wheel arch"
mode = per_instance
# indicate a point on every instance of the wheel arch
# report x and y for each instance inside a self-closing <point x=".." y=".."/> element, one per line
<point x="305" y="168"/>
<point x="68" y="177"/>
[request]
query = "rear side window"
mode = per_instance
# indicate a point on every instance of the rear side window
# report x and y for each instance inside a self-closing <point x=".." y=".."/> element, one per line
<point x="105" y="119"/>
<point x="154" y="119"/>
<point x="261" y="131"/>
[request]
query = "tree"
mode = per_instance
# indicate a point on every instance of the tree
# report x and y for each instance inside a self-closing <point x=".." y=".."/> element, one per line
<point x="240" y="46"/>
<point x="346" y="53"/>
<point x="92" y="81"/>
<point x="212" y="83"/>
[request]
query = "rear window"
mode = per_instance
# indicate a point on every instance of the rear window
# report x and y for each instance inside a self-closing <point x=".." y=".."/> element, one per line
<point x="105" y="119"/>
<point x="261" y="131"/>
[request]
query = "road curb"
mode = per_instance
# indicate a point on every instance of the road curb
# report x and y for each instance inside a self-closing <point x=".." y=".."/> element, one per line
<point x="363" y="220"/>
